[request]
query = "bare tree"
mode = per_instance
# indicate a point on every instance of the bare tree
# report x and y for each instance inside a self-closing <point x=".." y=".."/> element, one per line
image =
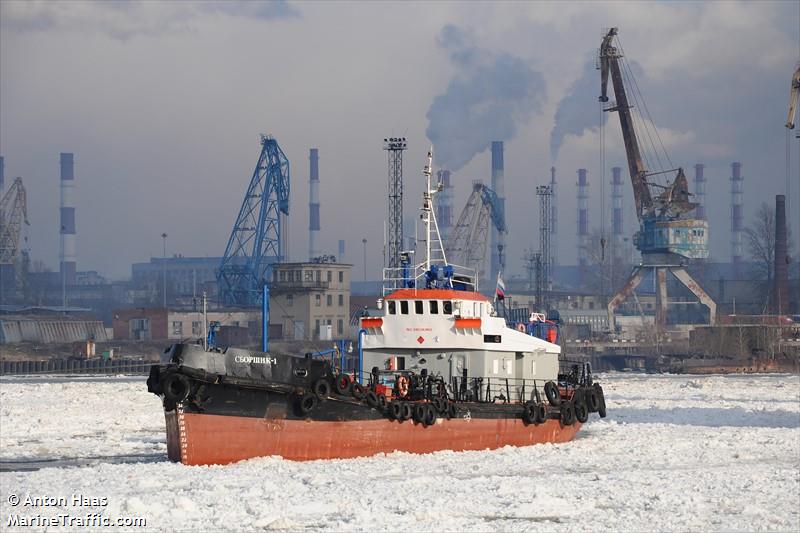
<point x="760" y="238"/>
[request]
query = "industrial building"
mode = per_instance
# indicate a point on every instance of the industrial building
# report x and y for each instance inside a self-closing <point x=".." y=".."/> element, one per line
<point x="310" y="301"/>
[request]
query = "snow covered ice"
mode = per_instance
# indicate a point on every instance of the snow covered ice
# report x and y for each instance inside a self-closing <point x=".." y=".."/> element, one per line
<point x="676" y="453"/>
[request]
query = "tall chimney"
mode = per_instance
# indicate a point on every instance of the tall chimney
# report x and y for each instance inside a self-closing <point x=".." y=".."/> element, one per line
<point x="616" y="208"/>
<point x="583" y="222"/>
<point x="2" y="175"/>
<point x="498" y="186"/>
<point x="444" y="206"/>
<point x="313" y="204"/>
<point x="780" y="289"/>
<point x="341" y="251"/>
<point x="553" y="220"/>
<point x="737" y="182"/>
<point x="700" y="191"/>
<point x="68" y="260"/>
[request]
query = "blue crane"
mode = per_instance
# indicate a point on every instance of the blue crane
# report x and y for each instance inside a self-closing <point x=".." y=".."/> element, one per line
<point x="255" y="242"/>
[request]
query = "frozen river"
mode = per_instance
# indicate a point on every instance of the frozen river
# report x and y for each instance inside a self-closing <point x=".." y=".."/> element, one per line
<point x="676" y="453"/>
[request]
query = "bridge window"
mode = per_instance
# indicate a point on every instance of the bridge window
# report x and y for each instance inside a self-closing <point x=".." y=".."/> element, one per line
<point x="392" y="308"/>
<point x="419" y="307"/>
<point x="434" y="307"/>
<point x="447" y="307"/>
<point x="404" y="307"/>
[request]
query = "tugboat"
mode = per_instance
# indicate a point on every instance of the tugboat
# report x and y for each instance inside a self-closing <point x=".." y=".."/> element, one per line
<point x="445" y="372"/>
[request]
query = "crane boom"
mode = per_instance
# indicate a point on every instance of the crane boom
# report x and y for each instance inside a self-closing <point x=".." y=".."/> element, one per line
<point x="468" y="241"/>
<point x="609" y="61"/>
<point x="13" y="213"/>
<point x="794" y="96"/>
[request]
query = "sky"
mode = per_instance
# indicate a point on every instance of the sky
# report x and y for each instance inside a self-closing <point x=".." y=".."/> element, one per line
<point x="162" y="104"/>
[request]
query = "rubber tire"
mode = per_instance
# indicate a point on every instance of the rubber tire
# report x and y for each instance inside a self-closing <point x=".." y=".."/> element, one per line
<point x="592" y="400"/>
<point x="322" y="389"/>
<point x="307" y="403"/>
<point x="176" y="387"/>
<point x="405" y="410"/>
<point x="601" y="409"/>
<point x="567" y="413"/>
<point x="529" y="413"/>
<point x="382" y="402"/>
<point x="541" y="413"/>
<point x="343" y="383"/>
<point x="552" y="393"/>
<point x="419" y="412"/>
<point x="396" y="410"/>
<point x="580" y="407"/>
<point x="437" y="404"/>
<point x="430" y="416"/>
<point x="452" y="411"/>
<point x="358" y="391"/>
<point x="372" y="399"/>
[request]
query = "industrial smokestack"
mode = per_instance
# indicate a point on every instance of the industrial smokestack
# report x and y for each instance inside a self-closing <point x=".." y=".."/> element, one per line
<point x="616" y="206"/>
<point x="341" y="251"/>
<point x="313" y="203"/>
<point x="553" y="219"/>
<point x="444" y="206"/>
<point x="780" y="289"/>
<point x="583" y="221"/>
<point x="700" y="191"/>
<point x="737" y="216"/>
<point x="2" y="175"/>
<point x="498" y="186"/>
<point x="68" y="259"/>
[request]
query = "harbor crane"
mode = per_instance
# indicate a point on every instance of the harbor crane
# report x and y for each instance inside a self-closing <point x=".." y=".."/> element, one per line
<point x="469" y="238"/>
<point x="255" y="242"/>
<point x="794" y="96"/>
<point x="668" y="236"/>
<point x="13" y="214"/>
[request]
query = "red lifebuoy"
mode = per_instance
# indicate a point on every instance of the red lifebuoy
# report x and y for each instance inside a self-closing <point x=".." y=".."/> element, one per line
<point x="521" y="327"/>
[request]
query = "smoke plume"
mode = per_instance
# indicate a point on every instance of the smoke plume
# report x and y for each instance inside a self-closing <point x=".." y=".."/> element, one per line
<point x="490" y="95"/>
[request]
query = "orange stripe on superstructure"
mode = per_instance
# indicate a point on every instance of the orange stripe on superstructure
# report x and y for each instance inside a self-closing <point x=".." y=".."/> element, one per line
<point x="468" y="323"/>
<point x="371" y="322"/>
<point x="436" y="294"/>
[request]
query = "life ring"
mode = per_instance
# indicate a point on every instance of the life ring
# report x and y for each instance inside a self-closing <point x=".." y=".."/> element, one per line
<point x="402" y="386"/>
<point x="430" y="415"/>
<point x="322" y="388"/>
<point x="358" y="391"/>
<point x="372" y="399"/>
<point x="552" y="393"/>
<point x="343" y="384"/>
<point x="307" y="403"/>
<point x="177" y="387"/>
<point x="567" y="413"/>
<point x="521" y="327"/>
<point x="529" y="412"/>
<point x="405" y="410"/>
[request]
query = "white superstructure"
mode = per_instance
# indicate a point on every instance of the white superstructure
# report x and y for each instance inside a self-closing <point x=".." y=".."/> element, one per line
<point x="440" y="323"/>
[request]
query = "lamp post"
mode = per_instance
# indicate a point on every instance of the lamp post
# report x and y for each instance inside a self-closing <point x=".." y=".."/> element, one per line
<point x="364" y="242"/>
<point x="164" y="267"/>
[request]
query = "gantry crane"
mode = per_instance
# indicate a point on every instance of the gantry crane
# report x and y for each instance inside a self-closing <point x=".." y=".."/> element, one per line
<point x="668" y="235"/>
<point x="469" y="237"/>
<point x="255" y="241"/>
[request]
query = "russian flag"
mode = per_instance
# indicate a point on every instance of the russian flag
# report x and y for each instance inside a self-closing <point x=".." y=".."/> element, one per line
<point x="500" y="291"/>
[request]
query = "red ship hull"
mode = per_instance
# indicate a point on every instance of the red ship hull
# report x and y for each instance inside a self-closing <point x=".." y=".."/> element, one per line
<point x="205" y="439"/>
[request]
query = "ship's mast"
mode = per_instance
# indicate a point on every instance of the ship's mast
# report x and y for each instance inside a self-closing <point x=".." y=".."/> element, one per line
<point x="429" y="218"/>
